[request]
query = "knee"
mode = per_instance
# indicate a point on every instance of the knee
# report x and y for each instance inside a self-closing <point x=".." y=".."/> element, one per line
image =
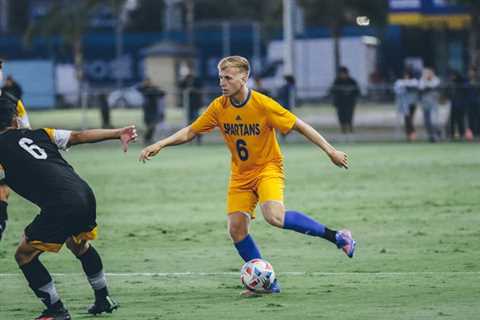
<point x="23" y="258"/>
<point x="237" y="231"/>
<point x="274" y="215"/>
<point x="78" y="249"/>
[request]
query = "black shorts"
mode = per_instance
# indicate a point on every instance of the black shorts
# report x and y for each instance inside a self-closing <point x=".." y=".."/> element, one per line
<point x="53" y="226"/>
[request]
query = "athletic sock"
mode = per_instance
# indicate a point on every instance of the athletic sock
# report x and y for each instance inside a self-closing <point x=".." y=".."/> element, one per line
<point x="247" y="249"/>
<point x="300" y="222"/>
<point x="93" y="268"/>
<point x="41" y="283"/>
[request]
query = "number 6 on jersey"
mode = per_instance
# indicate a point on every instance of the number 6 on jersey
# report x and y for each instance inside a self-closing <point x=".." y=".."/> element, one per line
<point x="242" y="149"/>
<point x="36" y="152"/>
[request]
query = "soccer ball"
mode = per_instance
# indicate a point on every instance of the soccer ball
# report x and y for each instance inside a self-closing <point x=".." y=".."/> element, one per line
<point x="257" y="275"/>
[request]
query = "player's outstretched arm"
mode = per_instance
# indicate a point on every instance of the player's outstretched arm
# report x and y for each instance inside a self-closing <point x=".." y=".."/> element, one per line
<point x="338" y="158"/>
<point x="125" y="135"/>
<point x="180" y="137"/>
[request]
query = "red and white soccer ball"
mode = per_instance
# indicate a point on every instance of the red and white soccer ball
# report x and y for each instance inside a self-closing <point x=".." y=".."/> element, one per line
<point x="257" y="275"/>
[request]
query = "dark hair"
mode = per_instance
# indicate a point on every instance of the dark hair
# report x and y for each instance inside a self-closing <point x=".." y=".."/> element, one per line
<point x="8" y="110"/>
<point x="343" y="69"/>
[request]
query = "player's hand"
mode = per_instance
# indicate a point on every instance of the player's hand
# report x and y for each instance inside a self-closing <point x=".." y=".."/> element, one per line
<point x="127" y="135"/>
<point x="149" y="152"/>
<point x="339" y="158"/>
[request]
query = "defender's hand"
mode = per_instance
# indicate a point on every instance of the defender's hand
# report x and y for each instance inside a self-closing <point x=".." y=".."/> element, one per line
<point x="149" y="152"/>
<point x="339" y="158"/>
<point x="127" y="135"/>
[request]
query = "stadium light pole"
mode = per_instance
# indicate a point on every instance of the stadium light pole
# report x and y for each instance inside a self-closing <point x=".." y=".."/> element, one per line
<point x="125" y="8"/>
<point x="288" y="38"/>
<point x="226" y="38"/>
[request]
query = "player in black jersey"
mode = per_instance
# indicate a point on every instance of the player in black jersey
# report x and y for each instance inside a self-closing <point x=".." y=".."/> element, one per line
<point x="34" y="168"/>
<point x="22" y="119"/>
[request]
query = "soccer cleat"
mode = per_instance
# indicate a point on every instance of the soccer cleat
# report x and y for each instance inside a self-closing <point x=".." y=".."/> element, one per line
<point x="345" y="242"/>
<point x="273" y="289"/>
<point x="54" y="314"/>
<point x="104" y="305"/>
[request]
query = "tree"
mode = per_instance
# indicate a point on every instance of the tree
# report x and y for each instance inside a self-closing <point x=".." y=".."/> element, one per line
<point x="70" y="21"/>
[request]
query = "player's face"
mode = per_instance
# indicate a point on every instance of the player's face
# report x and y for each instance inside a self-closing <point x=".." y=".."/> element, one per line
<point x="231" y="81"/>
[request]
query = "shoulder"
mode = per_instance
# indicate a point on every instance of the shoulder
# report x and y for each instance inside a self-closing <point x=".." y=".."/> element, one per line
<point x="261" y="98"/>
<point x="10" y="96"/>
<point x="219" y="103"/>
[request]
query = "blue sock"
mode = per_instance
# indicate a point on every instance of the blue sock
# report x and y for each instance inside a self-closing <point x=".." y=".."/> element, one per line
<point x="247" y="249"/>
<point x="302" y="223"/>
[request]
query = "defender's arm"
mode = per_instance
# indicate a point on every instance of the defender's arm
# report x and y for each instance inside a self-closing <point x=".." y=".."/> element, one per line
<point x="125" y="135"/>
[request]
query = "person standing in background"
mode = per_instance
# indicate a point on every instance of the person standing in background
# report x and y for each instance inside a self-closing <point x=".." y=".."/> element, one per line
<point x="345" y="92"/>
<point x="287" y="94"/>
<point x="406" y="94"/>
<point x="191" y="88"/>
<point x="473" y="105"/>
<point x="429" y="85"/>
<point x="457" y="94"/>
<point x="153" y="108"/>
<point x="104" y="110"/>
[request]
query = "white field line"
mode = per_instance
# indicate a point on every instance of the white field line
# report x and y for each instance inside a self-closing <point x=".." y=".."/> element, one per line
<point x="286" y="273"/>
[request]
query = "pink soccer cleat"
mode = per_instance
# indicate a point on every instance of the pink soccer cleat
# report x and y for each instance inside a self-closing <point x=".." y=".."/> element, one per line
<point x="345" y="242"/>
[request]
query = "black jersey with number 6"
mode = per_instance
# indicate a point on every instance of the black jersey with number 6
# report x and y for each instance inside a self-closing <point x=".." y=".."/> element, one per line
<point x="35" y="169"/>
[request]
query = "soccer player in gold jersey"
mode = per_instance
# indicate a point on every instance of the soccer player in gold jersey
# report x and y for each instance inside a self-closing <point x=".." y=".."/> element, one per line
<point x="247" y="120"/>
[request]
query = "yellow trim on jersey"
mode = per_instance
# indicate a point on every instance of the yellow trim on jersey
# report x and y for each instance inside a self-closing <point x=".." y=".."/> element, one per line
<point x="45" y="246"/>
<point x="55" y="247"/>
<point x="88" y="235"/>
<point x="51" y="133"/>
<point x="21" y="112"/>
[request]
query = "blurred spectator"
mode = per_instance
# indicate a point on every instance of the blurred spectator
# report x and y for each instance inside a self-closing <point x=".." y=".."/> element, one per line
<point x="192" y="98"/>
<point x="345" y="93"/>
<point x="258" y="86"/>
<point x="12" y="87"/>
<point x="153" y="108"/>
<point x="457" y="94"/>
<point x="473" y="104"/>
<point x="429" y="86"/>
<point x="104" y="110"/>
<point x="286" y="93"/>
<point x="406" y="94"/>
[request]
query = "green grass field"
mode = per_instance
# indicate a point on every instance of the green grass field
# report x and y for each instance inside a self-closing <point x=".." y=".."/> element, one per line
<point x="414" y="209"/>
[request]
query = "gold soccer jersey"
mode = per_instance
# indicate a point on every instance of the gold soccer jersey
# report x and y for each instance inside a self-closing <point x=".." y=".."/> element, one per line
<point x="248" y="131"/>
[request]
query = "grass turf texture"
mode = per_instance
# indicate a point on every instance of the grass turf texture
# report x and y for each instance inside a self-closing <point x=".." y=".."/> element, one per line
<point x="412" y="207"/>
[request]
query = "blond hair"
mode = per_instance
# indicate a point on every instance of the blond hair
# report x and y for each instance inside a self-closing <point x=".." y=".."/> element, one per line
<point x="235" y="62"/>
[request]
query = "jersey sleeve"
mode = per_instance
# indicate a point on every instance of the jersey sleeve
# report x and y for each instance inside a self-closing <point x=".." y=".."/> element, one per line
<point x="208" y="120"/>
<point x="279" y="117"/>
<point x="22" y="115"/>
<point x="59" y="137"/>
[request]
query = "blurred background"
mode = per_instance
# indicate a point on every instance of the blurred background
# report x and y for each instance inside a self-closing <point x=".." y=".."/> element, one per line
<point x="369" y="70"/>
